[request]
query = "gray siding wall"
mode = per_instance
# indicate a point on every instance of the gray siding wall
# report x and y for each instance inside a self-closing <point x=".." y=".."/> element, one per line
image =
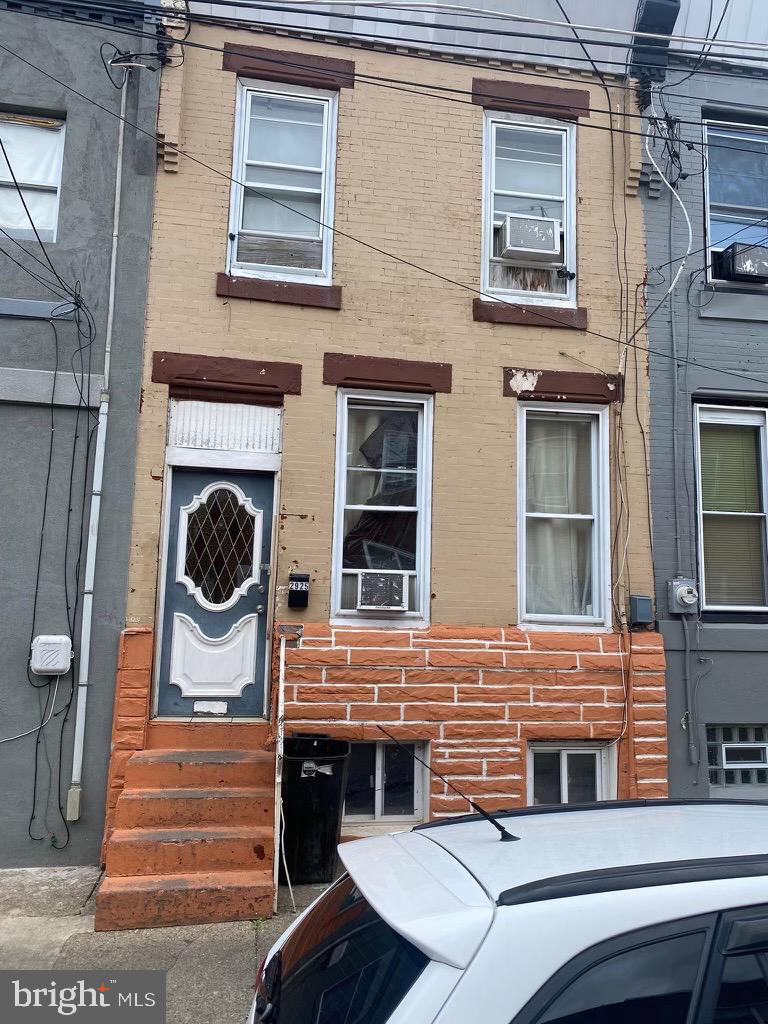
<point x="69" y="52"/>
<point x="728" y="663"/>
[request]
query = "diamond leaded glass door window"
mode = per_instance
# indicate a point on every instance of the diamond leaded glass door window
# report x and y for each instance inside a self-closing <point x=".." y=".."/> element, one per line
<point x="219" y="541"/>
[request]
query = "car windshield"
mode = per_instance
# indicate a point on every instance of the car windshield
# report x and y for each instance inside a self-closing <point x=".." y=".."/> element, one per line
<point x="342" y="965"/>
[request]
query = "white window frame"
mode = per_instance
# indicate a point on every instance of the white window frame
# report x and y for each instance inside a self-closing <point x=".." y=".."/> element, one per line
<point x="606" y="766"/>
<point x="318" y="275"/>
<point x="601" y="547"/>
<point x="420" y="787"/>
<point x="737" y="127"/>
<point x="738" y="416"/>
<point x="46" y="234"/>
<point x="420" y="616"/>
<point x="492" y="120"/>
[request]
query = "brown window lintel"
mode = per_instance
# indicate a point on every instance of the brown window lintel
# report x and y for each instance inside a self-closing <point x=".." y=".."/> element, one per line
<point x="388" y="374"/>
<point x="292" y="67"/>
<point x="561" y="385"/>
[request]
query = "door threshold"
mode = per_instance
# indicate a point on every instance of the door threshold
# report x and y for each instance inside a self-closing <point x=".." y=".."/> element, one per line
<point x="223" y="720"/>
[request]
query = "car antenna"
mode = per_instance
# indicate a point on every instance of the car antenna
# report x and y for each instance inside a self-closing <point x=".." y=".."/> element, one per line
<point x="506" y="836"/>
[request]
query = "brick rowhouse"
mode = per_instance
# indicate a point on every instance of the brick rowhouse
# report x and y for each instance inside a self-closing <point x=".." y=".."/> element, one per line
<point x="479" y="694"/>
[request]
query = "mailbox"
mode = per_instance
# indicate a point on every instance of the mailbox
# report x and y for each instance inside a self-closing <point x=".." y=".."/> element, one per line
<point x="298" y="589"/>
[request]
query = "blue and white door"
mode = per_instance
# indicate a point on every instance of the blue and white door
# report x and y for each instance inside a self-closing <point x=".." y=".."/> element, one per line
<point x="212" y="650"/>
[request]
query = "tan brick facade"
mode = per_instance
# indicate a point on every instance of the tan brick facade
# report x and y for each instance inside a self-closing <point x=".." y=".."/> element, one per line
<point x="409" y="181"/>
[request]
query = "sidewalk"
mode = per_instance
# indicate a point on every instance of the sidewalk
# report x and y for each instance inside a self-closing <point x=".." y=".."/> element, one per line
<point x="46" y="920"/>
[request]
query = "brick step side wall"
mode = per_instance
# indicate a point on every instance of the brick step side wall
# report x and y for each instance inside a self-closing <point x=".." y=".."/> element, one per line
<point x="479" y="695"/>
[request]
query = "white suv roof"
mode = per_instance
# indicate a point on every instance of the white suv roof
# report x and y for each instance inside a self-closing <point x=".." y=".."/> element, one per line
<point x="439" y="885"/>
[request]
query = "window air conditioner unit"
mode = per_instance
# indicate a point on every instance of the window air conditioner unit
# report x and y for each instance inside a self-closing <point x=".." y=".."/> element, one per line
<point x="531" y="238"/>
<point x="744" y="262"/>
<point x="382" y="592"/>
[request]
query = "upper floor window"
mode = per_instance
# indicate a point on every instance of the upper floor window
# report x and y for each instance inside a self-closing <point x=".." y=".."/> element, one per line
<point x="529" y="237"/>
<point x="285" y="143"/>
<point x="737" y="189"/>
<point x="34" y="148"/>
<point x="563" y="529"/>
<point x="732" y="456"/>
<point x="383" y="474"/>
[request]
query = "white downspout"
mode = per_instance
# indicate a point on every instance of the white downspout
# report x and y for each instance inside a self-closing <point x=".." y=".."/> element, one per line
<point x="75" y="790"/>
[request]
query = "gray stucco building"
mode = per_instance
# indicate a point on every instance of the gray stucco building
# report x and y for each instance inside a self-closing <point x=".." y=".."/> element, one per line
<point x="58" y="314"/>
<point x="709" y="388"/>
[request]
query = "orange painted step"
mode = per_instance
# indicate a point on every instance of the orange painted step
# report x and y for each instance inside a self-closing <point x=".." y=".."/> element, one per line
<point x="163" y="735"/>
<point x="147" y="851"/>
<point x="158" y="769"/>
<point x="161" y="808"/>
<point x="157" y="901"/>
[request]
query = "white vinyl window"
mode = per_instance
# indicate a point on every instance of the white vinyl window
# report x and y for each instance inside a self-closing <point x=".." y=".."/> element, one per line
<point x="564" y="514"/>
<point x="383" y="485"/>
<point x="529" y="211"/>
<point x="736" y="188"/>
<point x="285" y="145"/>
<point x="732" y="503"/>
<point x="385" y="782"/>
<point x="35" y="149"/>
<point x="574" y="774"/>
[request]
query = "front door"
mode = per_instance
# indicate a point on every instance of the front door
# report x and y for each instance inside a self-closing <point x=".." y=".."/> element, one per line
<point x="212" y="658"/>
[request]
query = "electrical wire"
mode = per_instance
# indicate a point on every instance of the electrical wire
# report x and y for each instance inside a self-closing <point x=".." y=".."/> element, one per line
<point x="115" y="6"/>
<point x="41" y="725"/>
<point x="537" y="311"/>
<point x="399" y="41"/>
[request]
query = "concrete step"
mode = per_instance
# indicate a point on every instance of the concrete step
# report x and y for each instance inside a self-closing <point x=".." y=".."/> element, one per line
<point x="161" y="808"/>
<point x="164" y="735"/>
<point x="171" y="851"/>
<point x="207" y="769"/>
<point x="157" y="901"/>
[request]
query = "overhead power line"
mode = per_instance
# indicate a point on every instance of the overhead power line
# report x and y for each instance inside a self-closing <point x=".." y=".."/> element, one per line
<point x="525" y="19"/>
<point x="374" y="248"/>
<point x="127" y="7"/>
<point x="439" y="91"/>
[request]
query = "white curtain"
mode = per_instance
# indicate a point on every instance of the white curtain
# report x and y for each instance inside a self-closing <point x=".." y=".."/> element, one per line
<point x="559" y="483"/>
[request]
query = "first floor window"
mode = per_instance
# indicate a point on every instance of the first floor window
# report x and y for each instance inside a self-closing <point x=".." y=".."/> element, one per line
<point x="737" y="755"/>
<point x="732" y="507"/>
<point x="282" y="200"/>
<point x="385" y="781"/>
<point x="529" y="204"/>
<point x="563" y="528"/>
<point x="382" y="505"/>
<point x="568" y="775"/>
<point x="34" y="150"/>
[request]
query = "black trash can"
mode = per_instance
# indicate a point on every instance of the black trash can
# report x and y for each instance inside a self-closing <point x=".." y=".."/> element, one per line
<point x="314" y="781"/>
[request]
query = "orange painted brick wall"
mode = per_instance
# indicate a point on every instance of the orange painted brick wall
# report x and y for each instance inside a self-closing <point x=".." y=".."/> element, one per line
<point x="132" y="696"/>
<point x="480" y="695"/>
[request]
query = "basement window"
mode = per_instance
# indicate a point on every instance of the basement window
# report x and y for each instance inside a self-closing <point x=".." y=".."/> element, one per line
<point x="385" y="782"/>
<point x="574" y="774"/>
<point x="281" y="210"/>
<point x="737" y="757"/>
<point x="34" y="148"/>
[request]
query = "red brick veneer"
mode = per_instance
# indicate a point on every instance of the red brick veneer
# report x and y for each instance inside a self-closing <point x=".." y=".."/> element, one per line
<point x="480" y="694"/>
